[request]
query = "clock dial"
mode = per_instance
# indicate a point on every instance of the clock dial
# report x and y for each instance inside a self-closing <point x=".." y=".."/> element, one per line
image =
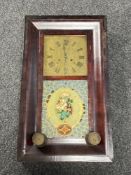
<point x="65" y="55"/>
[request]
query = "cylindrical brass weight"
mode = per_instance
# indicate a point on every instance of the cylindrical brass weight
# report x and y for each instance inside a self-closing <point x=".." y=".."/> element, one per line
<point x="93" y="138"/>
<point x="39" y="139"/>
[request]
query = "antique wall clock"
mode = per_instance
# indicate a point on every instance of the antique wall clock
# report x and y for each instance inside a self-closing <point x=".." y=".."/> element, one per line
<point x="63" y="95"/>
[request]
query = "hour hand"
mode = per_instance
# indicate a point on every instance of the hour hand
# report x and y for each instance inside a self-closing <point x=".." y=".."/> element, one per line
<point x="65" y="55"/>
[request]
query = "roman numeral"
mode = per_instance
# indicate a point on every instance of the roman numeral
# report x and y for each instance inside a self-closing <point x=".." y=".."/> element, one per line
<point x="52" y="49"/>
<point x="66" y="42"/>
<point x="73" y="69"/>
<point x="51" y="64"/>
<point x="81" y="57"/>
<point x="79" y="64"/>
<point x="58" y="44"/>
<point x="73" y="44"/>
<point x="80" y="49"/>
<point x="49" y="56"/>
<point x="57" y="70"/>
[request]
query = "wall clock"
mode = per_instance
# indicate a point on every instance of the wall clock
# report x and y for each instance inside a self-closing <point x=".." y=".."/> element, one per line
<point x="63" y="94"/>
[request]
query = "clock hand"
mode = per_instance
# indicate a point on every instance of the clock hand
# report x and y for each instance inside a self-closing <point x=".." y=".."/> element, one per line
<point x="65" y="55"/>
<point x="65" y="58"/>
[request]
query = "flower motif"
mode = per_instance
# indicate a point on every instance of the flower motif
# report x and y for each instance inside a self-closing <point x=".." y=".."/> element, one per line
<point x="64" y="106"/>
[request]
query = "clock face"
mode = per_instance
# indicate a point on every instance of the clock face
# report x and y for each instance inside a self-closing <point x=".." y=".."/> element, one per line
<point x="65" y="55"/>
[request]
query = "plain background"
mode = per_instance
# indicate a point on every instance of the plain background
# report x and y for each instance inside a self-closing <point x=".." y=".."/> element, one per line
<point x="118" y="14"/>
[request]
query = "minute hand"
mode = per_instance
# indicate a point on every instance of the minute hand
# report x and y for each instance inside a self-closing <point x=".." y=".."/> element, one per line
<point x="65" y="54"/>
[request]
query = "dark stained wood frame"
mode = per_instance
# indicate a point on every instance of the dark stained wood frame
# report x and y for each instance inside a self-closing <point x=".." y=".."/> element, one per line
<point x="31" y="98"/>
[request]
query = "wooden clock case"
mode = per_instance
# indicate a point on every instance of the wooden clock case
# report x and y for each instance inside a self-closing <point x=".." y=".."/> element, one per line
<point x="31" y="90"/>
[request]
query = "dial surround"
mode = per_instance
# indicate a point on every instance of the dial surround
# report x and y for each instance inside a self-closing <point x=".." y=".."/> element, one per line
<point x="65" y="55"/>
